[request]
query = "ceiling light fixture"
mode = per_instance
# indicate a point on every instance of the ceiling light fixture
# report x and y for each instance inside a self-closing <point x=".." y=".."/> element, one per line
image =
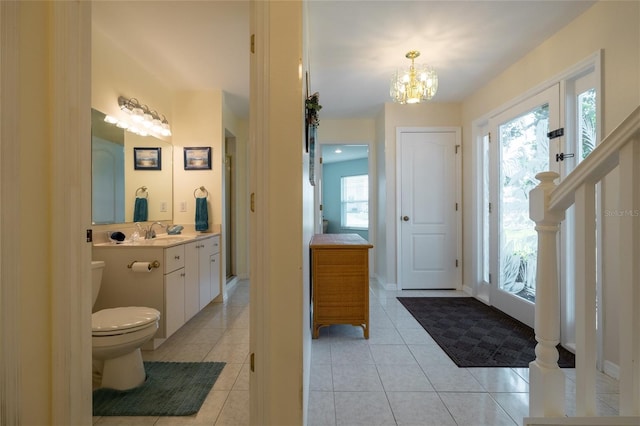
<point x="414" y="85"/>
<point x="143" y="120"/>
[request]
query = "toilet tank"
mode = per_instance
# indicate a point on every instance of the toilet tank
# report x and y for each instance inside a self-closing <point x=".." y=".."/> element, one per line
<point x="97" y="266"/>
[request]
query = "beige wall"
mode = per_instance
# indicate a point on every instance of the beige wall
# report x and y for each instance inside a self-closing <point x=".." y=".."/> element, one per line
<point x="346" y="131"/>
<point x="114" y="73"/>
<point x="608" y="25"/>
<point x="35" y="213"/>
<point x="613" y="27"/>
<point x="197" y="123"/>
<point x="424" y="115"/>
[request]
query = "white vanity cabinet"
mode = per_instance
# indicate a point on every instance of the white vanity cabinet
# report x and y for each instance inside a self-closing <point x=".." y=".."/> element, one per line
<point x="187" y="279"/>
<point x="214" y="260"/>
<point x="174" y="288"/>
<point x="198" y="275"/>
<point x="202" y="273"/>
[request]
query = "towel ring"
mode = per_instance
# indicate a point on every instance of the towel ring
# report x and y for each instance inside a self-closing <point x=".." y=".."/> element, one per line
<point x="143" y="190"/>
<point x="203" y="190"/>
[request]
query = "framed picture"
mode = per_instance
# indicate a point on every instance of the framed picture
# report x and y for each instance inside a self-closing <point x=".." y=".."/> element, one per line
<point x="197" y="158"/>
<point x="147" y="158"/>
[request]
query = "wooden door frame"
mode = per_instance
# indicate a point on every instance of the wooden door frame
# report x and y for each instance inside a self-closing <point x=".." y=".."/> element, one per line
<point x="68" y="255"/>
<point x="457" y="131"/>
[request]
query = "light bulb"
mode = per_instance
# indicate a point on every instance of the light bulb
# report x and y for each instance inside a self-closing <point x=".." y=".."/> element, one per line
<point x="166" y="131"/>
<point x="137" y="114"/>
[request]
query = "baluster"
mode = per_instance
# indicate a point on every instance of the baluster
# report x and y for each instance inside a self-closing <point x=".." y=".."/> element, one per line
<point x="585" y="300"/>
<point x="546" y="393"/>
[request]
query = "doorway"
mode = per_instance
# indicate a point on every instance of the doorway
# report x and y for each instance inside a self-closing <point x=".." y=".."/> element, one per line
<point x="229" y="205"/>
<point x="344" y="189"/>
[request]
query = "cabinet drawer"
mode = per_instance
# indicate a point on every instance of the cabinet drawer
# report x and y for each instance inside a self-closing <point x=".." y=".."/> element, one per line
<point x="173" y="258"/>
<point x="216" y="244"/>
<point x="206" y="246"/>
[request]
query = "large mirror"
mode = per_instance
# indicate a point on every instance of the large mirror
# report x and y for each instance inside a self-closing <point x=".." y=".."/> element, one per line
<point x="118" y="179"/>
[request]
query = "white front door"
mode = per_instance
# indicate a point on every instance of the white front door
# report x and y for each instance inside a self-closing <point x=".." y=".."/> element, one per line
<point x="429" y="209"/>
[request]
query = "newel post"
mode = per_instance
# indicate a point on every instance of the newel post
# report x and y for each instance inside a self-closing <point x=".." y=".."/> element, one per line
<point x="546" y="380"/>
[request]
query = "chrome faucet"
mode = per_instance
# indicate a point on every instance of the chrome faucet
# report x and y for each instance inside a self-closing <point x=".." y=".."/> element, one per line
<point x="150" y="233"/>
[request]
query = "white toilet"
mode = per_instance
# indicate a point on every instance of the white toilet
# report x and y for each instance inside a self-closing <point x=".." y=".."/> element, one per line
<point x="118" y="334"/>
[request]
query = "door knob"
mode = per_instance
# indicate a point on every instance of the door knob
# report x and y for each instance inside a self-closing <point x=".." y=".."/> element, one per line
<point x="405" y="218"/>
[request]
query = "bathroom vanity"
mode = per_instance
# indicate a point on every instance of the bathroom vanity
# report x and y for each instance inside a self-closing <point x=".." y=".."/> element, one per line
<point x="184" y="277"/>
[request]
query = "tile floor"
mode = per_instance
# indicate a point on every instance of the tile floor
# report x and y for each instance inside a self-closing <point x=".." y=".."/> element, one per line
<point x="220" y="332"/>
<point x="400" y="376"/>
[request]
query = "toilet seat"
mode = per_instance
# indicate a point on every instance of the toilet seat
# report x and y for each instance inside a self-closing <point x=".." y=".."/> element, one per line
<point x="123" y="320"/>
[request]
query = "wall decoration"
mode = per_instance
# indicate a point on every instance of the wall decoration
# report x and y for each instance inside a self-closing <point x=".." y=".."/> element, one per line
<point x="197" y="158"/>
<point x="147" y="158"/>
<point x="312" y="107"/>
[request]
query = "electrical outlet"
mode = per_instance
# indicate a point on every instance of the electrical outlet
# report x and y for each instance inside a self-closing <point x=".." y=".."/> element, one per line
<point x="163" y="206"/>
<point x="183" y="206"/>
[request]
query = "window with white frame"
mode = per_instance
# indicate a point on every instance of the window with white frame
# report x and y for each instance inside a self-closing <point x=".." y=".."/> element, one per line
<point x="354" y="197"/>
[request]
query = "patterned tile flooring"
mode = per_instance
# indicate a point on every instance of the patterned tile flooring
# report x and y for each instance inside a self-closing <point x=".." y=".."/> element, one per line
<point x="400" y="376"/>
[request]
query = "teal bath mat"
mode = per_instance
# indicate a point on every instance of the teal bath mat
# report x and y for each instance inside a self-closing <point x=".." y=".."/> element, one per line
<point x="171" y="389"/>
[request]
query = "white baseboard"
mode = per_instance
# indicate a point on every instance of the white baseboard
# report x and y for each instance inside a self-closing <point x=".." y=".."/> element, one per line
<point x="468" y="290"/>
<point x="582" y="421"/>
<point x="386" y="286"/>
<point x="391" y="286"/>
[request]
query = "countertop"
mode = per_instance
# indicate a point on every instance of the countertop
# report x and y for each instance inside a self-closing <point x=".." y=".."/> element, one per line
<point x="161" y="240"/>
<point x="338" y="241"/>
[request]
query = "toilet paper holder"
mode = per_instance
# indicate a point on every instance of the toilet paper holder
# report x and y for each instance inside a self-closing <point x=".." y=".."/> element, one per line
<point x="154" y="264"/>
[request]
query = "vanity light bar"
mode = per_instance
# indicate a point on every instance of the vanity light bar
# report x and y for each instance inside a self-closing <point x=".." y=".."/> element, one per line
<point x="143" y="120"/>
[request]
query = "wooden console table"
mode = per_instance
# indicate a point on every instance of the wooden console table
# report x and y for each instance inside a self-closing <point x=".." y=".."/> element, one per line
<point x="340" y="281"/>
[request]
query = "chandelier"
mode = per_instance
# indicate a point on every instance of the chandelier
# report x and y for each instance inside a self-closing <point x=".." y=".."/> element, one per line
<point x="414" y="85"/>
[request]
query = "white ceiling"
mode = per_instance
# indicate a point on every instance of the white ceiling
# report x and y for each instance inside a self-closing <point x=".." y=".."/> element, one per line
<point x="354" y="45"/>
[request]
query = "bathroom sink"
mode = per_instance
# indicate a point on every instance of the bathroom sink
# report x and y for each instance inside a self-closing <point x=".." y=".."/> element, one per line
<point x="162" y="240"/>
<point x="165" y="240"/>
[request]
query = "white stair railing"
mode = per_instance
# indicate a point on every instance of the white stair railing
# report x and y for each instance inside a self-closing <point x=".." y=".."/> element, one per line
<point x="548" y="203"/>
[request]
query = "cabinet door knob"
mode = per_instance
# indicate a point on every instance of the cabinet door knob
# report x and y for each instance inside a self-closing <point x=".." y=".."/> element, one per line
<point x="405" y="218"/>
<point x="176" y="257"/>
